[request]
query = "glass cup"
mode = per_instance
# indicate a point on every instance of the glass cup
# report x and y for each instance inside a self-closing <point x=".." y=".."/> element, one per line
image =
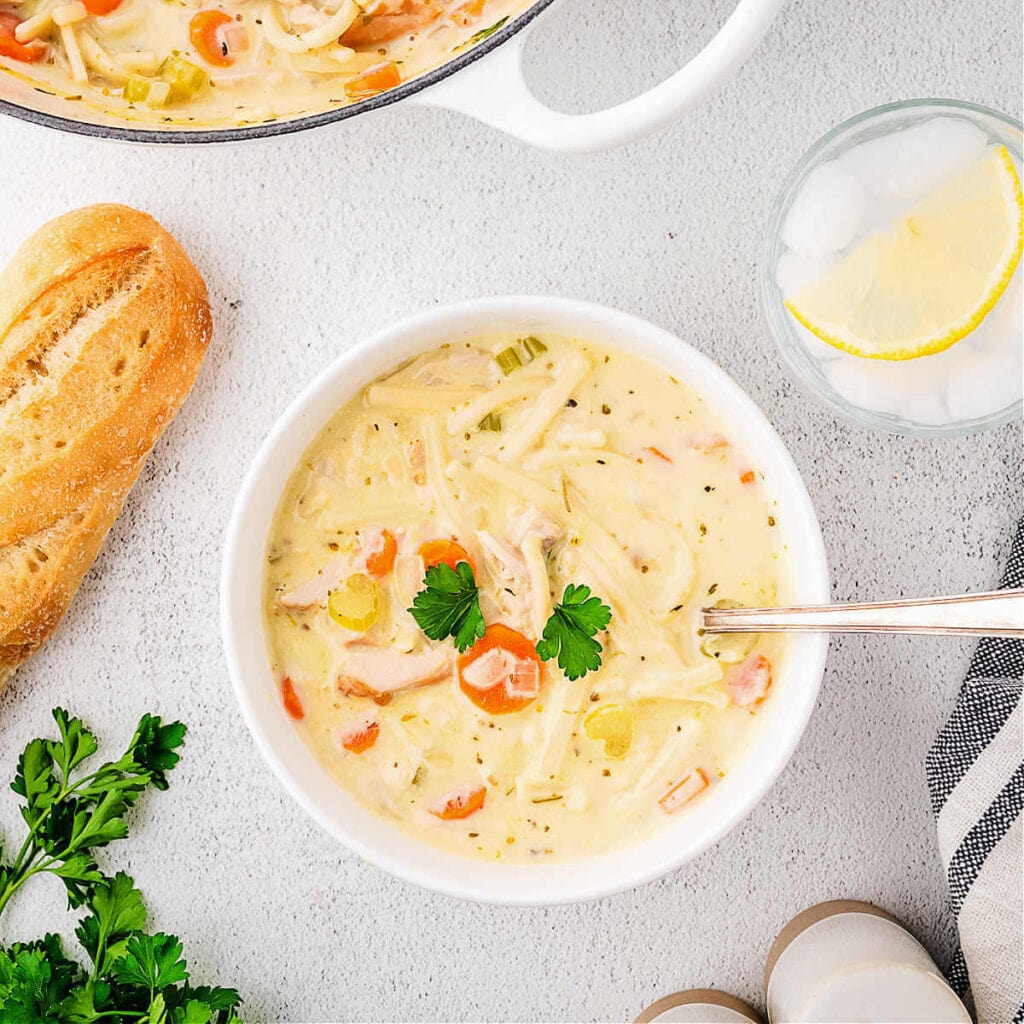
<point x="870" y="395"/>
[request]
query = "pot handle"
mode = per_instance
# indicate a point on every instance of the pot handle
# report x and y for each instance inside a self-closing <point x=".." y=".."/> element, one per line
<point x="494" y="90"/>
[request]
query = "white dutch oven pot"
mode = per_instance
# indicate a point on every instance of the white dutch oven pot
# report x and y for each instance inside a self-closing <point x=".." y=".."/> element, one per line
<point x="485" y="82"/>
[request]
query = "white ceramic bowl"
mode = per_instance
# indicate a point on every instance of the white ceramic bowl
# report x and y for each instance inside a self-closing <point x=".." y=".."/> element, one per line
<point x="784" y="716"/>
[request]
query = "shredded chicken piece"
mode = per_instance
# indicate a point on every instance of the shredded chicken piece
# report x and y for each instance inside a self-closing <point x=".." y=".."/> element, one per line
<point x="369" y="670"/>
<point x="315" y="590"/>
<point x="531" y="521"/>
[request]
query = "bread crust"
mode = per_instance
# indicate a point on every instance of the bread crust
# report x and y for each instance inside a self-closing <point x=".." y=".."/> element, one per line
<point x="104" y="323"/>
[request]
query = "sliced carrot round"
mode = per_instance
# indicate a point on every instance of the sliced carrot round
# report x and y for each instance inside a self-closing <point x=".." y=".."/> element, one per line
<point x="498" y="700"/>
<point x="381" y="560"/>
<point x="447" y="551"/>
<point x="29" y="53"/>
<point x="460" y="804"/>
<point x="101" y="7"/>
<point x="291" y="701"/>
<point x="204" y="30"/>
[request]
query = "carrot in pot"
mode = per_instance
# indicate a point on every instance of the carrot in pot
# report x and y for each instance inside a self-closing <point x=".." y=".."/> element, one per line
<point x="747" y="476"/>
<point x="291" y="701"/>
<point x="206" y="32"/>
<point x="101" y="7"/>
<point x="460" y="804"/>
<point x="28" y="53"/>
<point x="447" y="551"/>
<point x="386" y="20"/>
<point x="374" y="80"/>
<point x="516" y="666"/>
<point x="467" y="12"/>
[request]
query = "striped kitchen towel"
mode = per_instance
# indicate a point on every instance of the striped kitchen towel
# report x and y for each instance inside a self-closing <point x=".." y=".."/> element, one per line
<point x="976" y="777"/>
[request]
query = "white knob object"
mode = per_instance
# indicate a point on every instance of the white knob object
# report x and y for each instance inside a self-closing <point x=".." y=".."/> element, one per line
<point x="850" y="962"/>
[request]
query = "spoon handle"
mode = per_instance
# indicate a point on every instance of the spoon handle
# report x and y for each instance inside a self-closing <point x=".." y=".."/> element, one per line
<point x="996" y="613"/>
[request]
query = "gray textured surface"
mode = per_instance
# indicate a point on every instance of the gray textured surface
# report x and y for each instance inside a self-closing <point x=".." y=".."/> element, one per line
<point x="310" y="243"/>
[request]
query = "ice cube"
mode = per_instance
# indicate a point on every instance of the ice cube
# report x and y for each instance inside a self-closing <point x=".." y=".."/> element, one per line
<point x="1002" y="331"/>
<point x="868" y="383"/>
<point x="926" y="408"/>
<point x="826" y="214"/>
<point x="794" y="270"/>
<point x="909" y="163"/>
<point x="985" y="385"/>
<point x="818" y="349"/>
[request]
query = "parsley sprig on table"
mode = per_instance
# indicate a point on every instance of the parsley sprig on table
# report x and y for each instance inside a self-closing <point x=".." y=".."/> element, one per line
<point x="449" y="605"/>
<point x="569" y="632"/>
<point x="134" y="976"/>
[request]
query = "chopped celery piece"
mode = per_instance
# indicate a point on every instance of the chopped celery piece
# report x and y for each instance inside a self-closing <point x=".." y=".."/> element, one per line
<point x="185" y="78"/>
<point x="151" y="91"/>
<point x="136" y="88"/>
<point x="492" y="421"/>
<point x="615" y="724"/>
<point x="534" y="347"/>
<point x="159" y="94"/>
<point x="508" y="360"/>
<point x="355" y="604"/>
<point x="730" y="648"/>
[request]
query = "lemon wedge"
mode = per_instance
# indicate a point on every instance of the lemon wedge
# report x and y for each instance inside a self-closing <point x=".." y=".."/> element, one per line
<point x="930" y="279"/>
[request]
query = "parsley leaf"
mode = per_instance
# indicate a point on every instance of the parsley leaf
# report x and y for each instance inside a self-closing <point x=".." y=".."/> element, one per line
<point x="479" y="37"/>
<point x="569" y="632"/>
<point x="151" y="961"/>
<point x="117" y="912"/>
<point x="134" y="976"/>
<point x="449" y="605"/>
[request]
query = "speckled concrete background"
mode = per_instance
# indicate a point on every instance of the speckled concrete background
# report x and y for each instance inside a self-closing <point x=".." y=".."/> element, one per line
<point x="310" y="243"/>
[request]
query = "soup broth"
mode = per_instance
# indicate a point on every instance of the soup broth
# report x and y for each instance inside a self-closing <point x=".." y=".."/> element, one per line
<point x="530" y="467"/>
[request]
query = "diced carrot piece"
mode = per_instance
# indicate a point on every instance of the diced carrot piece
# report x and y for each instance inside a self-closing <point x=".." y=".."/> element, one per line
<point x="28" y="53"/>
<point x="520" y="688"/>
<point x="292" y="704"/>
<point x="447" y="551"/>
<point x="467" y="12"/>
<point x="381" y="560"/>
<point x="748" y="476"/>
<point x="205" y="31"/>
<point x="460" y="804"/>
<point x="684" y="791"/>
<point x="376" y="79"/>
<point x="361" y="736"/>
<point x="708" y="442"/>
<point x="657" y="453"/>
<point x="750" y="682"/>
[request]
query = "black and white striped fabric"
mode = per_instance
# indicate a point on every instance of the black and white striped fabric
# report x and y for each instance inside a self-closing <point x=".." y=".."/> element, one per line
<point x="976" y="777"/>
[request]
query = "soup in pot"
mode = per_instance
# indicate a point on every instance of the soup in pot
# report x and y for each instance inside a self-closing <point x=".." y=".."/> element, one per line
<point x="183" y="62"/>
<point x="481" y="592"/>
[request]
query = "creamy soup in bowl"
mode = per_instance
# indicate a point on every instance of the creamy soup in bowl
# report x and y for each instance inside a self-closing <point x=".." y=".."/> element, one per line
<point x="479" y="563"/>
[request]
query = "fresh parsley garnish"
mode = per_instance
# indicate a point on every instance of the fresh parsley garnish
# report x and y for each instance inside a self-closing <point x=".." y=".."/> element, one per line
<point x="479" y="37"/>
<point x="569" y="633"/>
<point x="449" y="605"/>
<point x="132" y="976"/>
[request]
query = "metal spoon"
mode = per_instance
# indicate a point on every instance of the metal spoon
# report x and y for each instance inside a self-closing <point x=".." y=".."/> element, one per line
<point x="995" y="613"/>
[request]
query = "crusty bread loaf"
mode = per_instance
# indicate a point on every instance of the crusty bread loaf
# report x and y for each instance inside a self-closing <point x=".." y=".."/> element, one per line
<point x="104" y="322"/>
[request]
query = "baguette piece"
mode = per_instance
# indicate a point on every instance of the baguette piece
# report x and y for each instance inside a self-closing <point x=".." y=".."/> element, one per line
<point x="104" y="323"/>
